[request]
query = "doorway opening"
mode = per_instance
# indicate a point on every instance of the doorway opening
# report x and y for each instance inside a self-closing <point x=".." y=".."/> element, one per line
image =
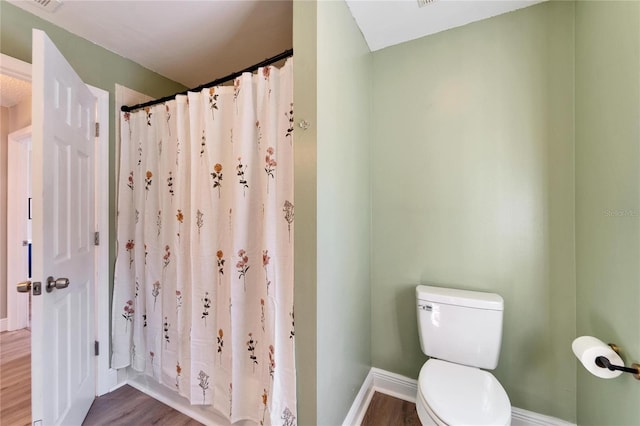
<point x="15" y="245"/>
<point x="18" y="239"/>
<point x="15" y="341"/>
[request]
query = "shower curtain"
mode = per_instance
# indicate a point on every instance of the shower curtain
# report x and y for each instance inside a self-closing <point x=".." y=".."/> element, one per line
<point x="203" y="286"/>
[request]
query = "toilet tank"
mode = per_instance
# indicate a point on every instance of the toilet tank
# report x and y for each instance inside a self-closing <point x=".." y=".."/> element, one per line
<point x="460" y="326"/>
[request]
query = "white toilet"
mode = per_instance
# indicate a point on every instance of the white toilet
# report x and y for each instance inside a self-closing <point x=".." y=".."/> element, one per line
<point x="461" y="332"/>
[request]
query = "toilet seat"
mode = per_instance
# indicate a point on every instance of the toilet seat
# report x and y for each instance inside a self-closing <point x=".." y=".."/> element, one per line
<point x="425" y="413"/>
<point x="462" y="395"/>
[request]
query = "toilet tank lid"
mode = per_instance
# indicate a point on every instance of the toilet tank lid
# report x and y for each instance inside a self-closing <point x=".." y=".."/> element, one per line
<point x="467" y="298"/>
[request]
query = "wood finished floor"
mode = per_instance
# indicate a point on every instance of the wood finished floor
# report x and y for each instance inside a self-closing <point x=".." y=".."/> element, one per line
<point x="128" y="406"/>
<point x="124" y="406"/>
<point x="15" y="378"/>
<point x="385" y="410"/>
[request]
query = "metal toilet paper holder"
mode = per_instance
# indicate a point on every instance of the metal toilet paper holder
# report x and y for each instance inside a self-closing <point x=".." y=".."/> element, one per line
<point x="603" y="362"/>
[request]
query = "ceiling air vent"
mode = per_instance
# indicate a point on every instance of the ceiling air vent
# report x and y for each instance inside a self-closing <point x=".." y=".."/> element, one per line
<point x="423" y="3"/>
<point x="48" y="5"/>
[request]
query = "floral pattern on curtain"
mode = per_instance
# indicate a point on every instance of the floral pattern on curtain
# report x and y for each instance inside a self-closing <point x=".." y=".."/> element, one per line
<point x="203" y="292"/>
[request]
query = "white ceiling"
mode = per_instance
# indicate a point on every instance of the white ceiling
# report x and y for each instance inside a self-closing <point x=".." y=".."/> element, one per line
<point x="388" y="22"/>
<point x="189" y="41"/>
<point x="196" y="41"/>
<point x="13" y="91"/>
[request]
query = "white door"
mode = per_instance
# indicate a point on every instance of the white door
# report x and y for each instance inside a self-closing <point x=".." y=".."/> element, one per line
<point x="63" y="123"/>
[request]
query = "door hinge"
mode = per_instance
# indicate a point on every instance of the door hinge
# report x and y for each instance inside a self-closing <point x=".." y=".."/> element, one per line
<point x="96" y="347"/>
<point x="97" y="129"/>
<point x="96" y="239"/>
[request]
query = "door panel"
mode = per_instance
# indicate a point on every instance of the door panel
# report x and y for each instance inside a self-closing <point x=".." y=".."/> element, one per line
<point x="63" y="363"/>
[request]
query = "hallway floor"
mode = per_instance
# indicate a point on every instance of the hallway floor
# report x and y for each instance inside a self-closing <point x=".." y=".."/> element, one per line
<point x="124" y="406"/>
<point x="15" y="377"/>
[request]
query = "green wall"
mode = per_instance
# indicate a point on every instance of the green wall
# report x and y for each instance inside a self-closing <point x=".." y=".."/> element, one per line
<point x="332" y="91"/>
<point x="450" y="160"/>
<point x="305" y="178"/>
<point x="473" y="187"/>
<point x="95" y="65"/>
<point x="608" y="200"/>
<point x="343" y="211"/>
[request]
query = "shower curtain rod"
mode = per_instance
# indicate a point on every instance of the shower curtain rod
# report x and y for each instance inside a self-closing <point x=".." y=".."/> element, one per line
<point x="252" y="68"/>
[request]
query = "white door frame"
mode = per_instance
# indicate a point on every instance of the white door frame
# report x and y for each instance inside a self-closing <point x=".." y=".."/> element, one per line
<point x="106" y="377"/>
<point x="22" y="71"/>
<point x="18" y="173"/>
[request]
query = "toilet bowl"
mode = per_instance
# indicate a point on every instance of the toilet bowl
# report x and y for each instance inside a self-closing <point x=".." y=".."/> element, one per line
<point x="452" y="394"/>
<point x="461" y="332"/>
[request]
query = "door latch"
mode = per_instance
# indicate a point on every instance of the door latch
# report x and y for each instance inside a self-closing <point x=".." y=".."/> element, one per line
<point x="24" y="287"/>
<point x="27" y="286"/>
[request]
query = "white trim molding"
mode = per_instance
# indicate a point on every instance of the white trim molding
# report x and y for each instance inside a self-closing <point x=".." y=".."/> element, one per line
<point x="384" y="382"/>
<point x="201" y="413"/>
<point x="520" y="417"/>
<point x="106" y="377"/>
<point x="3" y="324"/>
<point x="406" y="388"/>
<point x="361" y="402"/>
<point x="15" y="68"/>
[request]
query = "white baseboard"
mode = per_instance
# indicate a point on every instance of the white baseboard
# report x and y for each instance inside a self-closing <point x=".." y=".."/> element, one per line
<point x="394" y="384"/>
<point x="107" y="381"/>
<point x="360" y="403"/>
<point x="3" y="324"/>
<point x="118" y="386"/>
<point x="161" y="393"/>
<point x="405" y="388"/>
<point x="520" y="417"/>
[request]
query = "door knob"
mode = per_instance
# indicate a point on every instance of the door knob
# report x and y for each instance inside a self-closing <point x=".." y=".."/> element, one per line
<point x="59" y="283"/>
<point x="24" y="287"/>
